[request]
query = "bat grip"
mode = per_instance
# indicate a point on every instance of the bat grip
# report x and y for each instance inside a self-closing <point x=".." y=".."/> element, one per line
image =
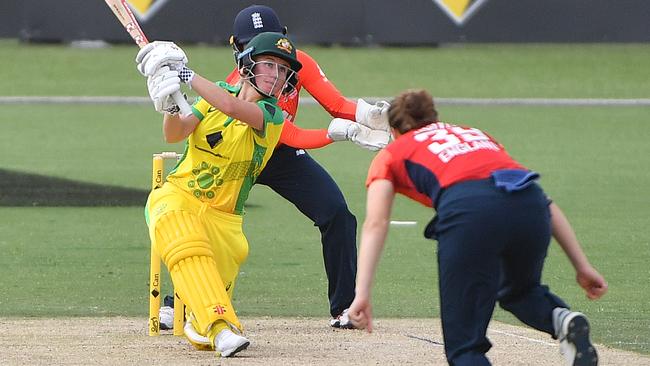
<point x="182" y="103"/>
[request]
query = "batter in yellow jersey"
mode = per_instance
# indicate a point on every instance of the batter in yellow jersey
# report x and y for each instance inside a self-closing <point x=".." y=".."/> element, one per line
<point x="223" y="156"/>
<point x="194" y="219"/>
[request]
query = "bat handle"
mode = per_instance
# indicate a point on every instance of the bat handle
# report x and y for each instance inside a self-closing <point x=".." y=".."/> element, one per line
<point x="182" y="103"/>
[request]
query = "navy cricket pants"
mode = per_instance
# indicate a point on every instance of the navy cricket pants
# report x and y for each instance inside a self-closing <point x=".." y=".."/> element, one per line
<point x="294" y="175"/>
<point x="491" y="247"/>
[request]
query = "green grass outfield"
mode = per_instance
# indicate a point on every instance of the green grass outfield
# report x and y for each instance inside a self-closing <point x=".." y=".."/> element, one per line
<point x="594" y="161"/>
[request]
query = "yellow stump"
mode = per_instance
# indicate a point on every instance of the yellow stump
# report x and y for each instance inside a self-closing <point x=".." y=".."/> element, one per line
<point x="179" y="316"/>
<point x="157" y="181"/>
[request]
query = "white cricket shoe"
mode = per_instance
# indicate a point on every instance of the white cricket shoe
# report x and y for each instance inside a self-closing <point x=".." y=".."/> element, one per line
<point x="572" y="330"/>
<point x="166" y="316"/>
<point x="342" y="321"/>
<point x="227" y="343"/>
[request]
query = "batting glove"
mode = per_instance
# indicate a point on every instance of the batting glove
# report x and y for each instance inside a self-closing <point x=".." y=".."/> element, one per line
<point x="160" y="53"/>
<point x="162" y="84"/>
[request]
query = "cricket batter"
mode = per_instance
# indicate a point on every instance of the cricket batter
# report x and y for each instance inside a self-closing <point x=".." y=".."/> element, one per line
<point x="194" y="219"/>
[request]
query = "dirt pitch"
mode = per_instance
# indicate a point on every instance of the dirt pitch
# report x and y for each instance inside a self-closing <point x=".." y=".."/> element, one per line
<point x="275" y="341"/>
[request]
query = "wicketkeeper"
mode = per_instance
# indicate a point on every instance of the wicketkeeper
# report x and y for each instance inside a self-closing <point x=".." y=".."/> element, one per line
<point x="296" y="176"/>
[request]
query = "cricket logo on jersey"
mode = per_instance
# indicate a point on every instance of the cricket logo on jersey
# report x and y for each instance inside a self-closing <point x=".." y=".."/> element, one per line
<point x="449" y="141"/>
<point x="207" y="178"/>
<point x="145" y="9"/>
<point x="459" y="10"/>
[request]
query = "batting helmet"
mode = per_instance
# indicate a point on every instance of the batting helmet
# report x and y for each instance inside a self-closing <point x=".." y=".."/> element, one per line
<point x="269" y="43"/>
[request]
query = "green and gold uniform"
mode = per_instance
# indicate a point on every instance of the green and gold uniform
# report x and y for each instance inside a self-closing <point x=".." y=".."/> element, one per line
<point x="195" y="220"/>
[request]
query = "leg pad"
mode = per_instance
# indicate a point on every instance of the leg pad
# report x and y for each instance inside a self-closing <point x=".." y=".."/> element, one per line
<point x="182" y="242"/>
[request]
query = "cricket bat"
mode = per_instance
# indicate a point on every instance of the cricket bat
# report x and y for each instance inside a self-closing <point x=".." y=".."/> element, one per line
<point x="121" y="10"/>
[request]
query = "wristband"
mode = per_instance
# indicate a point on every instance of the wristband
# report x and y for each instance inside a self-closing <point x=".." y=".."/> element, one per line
<point x="186" y="75"/>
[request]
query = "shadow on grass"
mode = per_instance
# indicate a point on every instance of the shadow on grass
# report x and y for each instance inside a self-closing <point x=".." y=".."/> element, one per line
<point x="20" y="189"/>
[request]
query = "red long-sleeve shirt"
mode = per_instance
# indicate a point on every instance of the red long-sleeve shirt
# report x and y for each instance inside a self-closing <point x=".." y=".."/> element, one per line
<point x="312" y="78"/>
<point x="422" y="162"/>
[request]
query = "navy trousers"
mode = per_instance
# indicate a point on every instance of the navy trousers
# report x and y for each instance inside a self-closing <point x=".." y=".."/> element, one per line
<point x="294" y="175"/>
<point x="491" y="247"/>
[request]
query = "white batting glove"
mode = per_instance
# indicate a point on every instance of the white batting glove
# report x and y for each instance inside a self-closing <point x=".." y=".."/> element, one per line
<point x="374" y="116"/>
<point x="160" y="53"/>
<point x="162" y="84"/>
<point x="341" y="129"/>
<point x="371" y="139"/>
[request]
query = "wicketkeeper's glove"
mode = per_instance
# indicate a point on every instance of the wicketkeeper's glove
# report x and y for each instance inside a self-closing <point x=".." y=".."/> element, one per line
<point x="342" y="129"/>
<point x="373" y="116"/>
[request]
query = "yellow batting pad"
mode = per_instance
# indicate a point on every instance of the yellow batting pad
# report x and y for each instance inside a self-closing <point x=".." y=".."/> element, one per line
<point x="182" y="242"/>
<point x="199" y="285"/>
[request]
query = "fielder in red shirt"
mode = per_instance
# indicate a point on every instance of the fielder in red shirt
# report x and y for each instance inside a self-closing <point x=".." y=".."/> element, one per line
<point x="493" y="225"/>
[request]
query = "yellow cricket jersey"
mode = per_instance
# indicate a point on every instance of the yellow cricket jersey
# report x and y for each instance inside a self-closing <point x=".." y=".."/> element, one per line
<point x="224" y="156"/>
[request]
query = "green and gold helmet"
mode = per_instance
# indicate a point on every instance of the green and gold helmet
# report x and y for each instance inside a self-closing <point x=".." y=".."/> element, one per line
<point x="274" y="44"/>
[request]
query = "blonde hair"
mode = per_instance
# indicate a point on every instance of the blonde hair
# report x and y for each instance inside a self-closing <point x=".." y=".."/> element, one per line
<point x="412" y="109"/>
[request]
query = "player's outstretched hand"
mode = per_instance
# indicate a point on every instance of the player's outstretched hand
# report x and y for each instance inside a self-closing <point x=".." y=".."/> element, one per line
<point x="162" y="84"/>
<point x="360" y="313"/>
<point x="592" y="282"/>
<point x="373" y="116"/>
<point x="160" y="53"/>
